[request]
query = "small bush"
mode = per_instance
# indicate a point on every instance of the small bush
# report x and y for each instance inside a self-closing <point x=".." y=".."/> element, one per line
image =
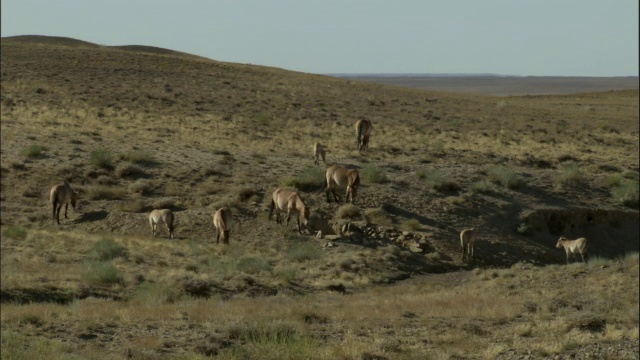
<point x="32" y="151"/>
<point x="132" y="206"/>
<point x="128" y="170"/>
<point x="107" y="249"/>
<point x="572" y="174"/>
<point x="483" y="187"/>
<point x="18" y="346"/>
<point x="101" y="273"/>
<point x="626" y="193"/>
<point x="349" y="211"/>
<point x="14" y="232"/>
<point x="435" y="181"/>
<point x="164" y="204"/>
<point x="140" y="186"/>
<point x="101" y="159"/>
<point x="102" y="192"/>
<point x="303" y="251"/>
<point x="287" y="275"/>
<point x="412" y="224"/>
<point x="378" y="216"/>
<point x="375" y="175"/>
<point x="310" y="179"/>
<point x="151" y="294"/>
<point x="504" y="176"/>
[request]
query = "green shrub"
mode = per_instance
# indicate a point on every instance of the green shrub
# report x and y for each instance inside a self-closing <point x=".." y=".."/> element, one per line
<point x="32" y="151"/>
<point x="101" y="273"/>
<point x="152" y="294"/>
<point x="107" y="249"/>
<point x="14" y="232"/>
<point x="412" y="224"/>
<point x="23" y="347"/>
<point x="626" y="193"/>
<point x="375" y="175"/>
<point x="310" y="179"/>
<point x="504" y="176"/>
<point x="101" y="159"/>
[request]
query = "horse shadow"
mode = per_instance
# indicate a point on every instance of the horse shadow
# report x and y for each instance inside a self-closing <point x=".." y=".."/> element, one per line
<point x="92" y="216"/>
<point x="392" y="209"/>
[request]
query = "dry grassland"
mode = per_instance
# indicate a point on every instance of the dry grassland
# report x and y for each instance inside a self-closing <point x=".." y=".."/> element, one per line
<point x="137" y="128"/>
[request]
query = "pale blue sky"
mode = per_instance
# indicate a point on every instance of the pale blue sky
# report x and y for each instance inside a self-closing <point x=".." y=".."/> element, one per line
<point x="509" y="37"/>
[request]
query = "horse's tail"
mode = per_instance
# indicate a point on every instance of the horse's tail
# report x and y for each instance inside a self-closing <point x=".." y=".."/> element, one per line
<point x="54" y="203"/>
<point x="271" y="207"/>
<point x="359" y="132"/>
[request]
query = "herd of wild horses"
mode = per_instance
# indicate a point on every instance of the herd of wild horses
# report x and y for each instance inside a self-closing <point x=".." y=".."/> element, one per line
<point x="290" y="202"/>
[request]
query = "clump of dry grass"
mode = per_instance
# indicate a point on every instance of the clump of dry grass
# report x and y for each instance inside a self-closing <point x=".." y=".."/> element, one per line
<point x="571" y="175"/>
<point x="505" y="176"/>
<point x="105" y="192"/>
<point x="436" y="181"/>
<point x="127" y="169"/>
<point x="101" y="158"/>
<point x="349" y="211"/>
<point x="141" y="187"/>
<point x="378" y="216"/>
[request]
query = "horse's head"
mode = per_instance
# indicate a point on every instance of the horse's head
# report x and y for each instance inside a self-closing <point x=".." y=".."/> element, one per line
<point x="560" y="240"/>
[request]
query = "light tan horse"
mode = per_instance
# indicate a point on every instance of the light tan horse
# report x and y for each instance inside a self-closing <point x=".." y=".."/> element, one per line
<point x="291" y="202"/>
<point x="467" y="240"/>
<point x="338" y="176"/>
<point x="222" y="223"/>
<point x="161" y="216"/>
<point x="62" y="194"/>
<point x="363" y="132"/>
<point x="573" y="247"/>
<point x="318" y="152"/>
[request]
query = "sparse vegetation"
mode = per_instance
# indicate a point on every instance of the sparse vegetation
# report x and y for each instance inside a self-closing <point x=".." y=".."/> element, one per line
<point x="571" y="175"/>
<point x="349" y="211"/>
<point x="505" y="176"/>
<point x="101" y="158"/>
<point x="626" y="193"/>
<point x="310" y="179"/>
<point x="15" y="232"/>
<point x="373" y="174"/>
<point x="106" y="249"/>
<point x="435" y="181"/>
<point x="32" y="151"/>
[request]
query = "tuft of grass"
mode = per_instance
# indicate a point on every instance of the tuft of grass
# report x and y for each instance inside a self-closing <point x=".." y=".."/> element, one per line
<point x="626" y="193"/>
<point x="378" y="216"/>
<point x="128" y="169"/>
<point x="141" y="186"/>
<point x="98" y="273"/>
<point x="412" y="224"/>
<point x="349" y="211"/>
<point x="373" y="174"/>
<point x="105" y="192"/>
<point x="435" y="181"/>
<point x="253" y="265"/>
<point x="483" y="187"/>
<point x="164" y="203"/>
<point x="22" y="347"/>
<point x="106" y="249"/>
<point x="152" y="294"/>
<point x="138" y="157"/>
<point x="571" y="175"/>
<point x="310" y="179"/>
<point x="14" y="232"/>
<point x="504" y="176"/>
<point x="101" y="158"/>
<point x="32" y="151"/>
<point x="132" y="206"/>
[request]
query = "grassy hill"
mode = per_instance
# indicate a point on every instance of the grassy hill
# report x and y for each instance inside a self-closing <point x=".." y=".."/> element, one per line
<point x="135" y="128"/>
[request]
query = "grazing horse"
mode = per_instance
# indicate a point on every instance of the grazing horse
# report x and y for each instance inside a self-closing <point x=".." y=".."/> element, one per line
<point x="291" y="202"/>
<point x="62" y="194"/>
<point x="572" y="247"/>
<point x="222" y="223"/>
<point x="467" y="239"/>
<point x="363" y="132"/>
<point x="161" y="216"/>
<point x="338" y="176"/>
<point x="318" y="152"/>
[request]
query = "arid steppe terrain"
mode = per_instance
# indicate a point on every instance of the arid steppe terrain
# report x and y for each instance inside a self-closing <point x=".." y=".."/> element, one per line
<point x="133" y="128"/>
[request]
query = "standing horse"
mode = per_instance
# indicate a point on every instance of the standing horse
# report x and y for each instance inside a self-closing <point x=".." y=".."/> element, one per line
<point x="161" y="216"/>
<point x="318" y="152"/>
<point x="467" y="239"/>
<point x="291" y="202"/>
<point x="338" y="176"/>
<point x="363" y="132"/>
<point x="62" y="194"/>
<point x="222" y="223"/>
<point x="573" y="247"/>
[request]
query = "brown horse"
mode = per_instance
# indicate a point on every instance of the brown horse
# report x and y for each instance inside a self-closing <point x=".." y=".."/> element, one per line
<point x="318" y="152"/>
<point x="467" y="239"/>
<point x="573" y="247"/>
<point x="291" y="202"/>
<point x="62" y="194"/>
<point x="161" y="216"/>
<point x="363" y="132"/>
<point x="338" y="176"/>
<point x="222" y="223"/>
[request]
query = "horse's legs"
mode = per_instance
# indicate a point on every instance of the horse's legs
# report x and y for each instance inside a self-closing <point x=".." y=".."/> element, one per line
<point x="58" y="209"/>
<point x="288" y="216"/>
